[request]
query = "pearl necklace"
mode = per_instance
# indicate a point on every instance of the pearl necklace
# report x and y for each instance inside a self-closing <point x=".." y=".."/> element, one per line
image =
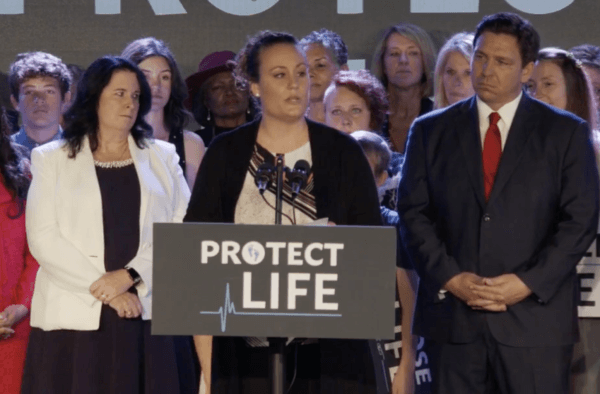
<point x="113" y="164"/>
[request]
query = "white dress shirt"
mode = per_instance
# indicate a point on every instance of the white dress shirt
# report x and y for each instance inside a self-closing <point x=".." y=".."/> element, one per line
<point x="506" y="112"/>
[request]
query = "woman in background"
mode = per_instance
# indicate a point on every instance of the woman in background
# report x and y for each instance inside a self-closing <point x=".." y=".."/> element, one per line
<point x="355" y="100"/>
<point x="327" y="54"/>
<point x="403" y="61"/>
<point x="168" y="116"/>
<point x="452" y="80"/>
<point x="17" y="267"/>
<point x="559" y="79"/>
<point x="214" y="99"/>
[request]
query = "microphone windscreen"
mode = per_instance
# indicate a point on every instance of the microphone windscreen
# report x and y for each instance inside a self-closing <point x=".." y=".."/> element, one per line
<point x="302" y="165"/>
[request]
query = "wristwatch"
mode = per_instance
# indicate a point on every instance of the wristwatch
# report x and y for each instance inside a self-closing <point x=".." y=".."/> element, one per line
<point x="135" y="277"/>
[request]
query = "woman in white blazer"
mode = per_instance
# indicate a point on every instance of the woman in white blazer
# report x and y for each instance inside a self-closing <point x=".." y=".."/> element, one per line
<point x="93" y="199"/>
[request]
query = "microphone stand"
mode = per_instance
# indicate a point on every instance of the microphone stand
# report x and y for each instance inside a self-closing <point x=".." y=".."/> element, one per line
<point x="279" y="171"/>
<point x="277" y="345"/>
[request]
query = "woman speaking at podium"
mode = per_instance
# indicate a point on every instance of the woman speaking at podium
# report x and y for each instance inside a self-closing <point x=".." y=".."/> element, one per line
<point x="341" y="189"/>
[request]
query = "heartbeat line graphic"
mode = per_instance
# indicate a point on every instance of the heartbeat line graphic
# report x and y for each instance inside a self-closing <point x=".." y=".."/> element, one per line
<point x="229" y="308"/>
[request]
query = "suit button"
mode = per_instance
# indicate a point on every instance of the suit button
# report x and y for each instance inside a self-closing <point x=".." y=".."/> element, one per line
<point x="486" y="218"/>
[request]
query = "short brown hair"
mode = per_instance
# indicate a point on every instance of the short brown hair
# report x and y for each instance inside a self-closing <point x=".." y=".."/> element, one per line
<point x="513" y="25"/>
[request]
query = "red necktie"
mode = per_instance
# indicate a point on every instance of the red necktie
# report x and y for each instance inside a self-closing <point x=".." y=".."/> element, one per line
<point x="492" y="151"/>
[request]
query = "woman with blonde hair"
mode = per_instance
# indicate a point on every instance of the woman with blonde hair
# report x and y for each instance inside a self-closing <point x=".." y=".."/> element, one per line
<point x="404" y="61"/>
<point x="452" y="77"/>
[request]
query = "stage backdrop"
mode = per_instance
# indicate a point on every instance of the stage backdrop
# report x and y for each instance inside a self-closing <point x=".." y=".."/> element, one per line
<point x="79" y="31"/>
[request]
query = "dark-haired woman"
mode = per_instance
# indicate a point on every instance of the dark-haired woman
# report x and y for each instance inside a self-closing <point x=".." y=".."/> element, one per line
<point x="341" y="189"/>
<point x="326" y="54"/>
<point x="167" y="116"/>
<point x="90" y="210"/>
<point x="214" y="99"/>
<point x="17" y="266"/>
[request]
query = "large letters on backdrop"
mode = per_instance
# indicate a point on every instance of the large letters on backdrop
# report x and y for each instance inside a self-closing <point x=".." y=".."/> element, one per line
<point x="588" y="271"/>
<point x="253" y="7"/>
<point x="160" y="7"/>
<point x="452" y="6"/>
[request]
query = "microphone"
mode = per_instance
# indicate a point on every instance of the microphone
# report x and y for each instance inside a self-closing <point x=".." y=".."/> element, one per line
<point x="299" y="176"/>
<point x="264" y="176"/>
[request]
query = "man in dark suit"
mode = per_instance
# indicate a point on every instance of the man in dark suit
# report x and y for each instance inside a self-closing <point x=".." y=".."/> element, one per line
<point x="498" y="202"/>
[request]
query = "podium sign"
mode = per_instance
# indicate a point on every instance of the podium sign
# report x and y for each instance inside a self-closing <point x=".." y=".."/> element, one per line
<point x="274" y="281"/>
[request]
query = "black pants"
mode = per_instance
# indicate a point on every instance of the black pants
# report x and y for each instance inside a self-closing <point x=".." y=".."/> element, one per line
<point x="487" y="366"/>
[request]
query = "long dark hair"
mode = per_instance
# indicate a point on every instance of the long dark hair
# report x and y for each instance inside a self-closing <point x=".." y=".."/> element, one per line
<point x="82" y="117"/>
<point x="13" y="166"/>
<point x="580" y="98"/>
<point x="176" y="116"/>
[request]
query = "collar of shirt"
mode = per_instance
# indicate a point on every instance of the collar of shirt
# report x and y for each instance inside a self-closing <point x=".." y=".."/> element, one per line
<point x="22" y="138"/>
<point x="507" y="114"/>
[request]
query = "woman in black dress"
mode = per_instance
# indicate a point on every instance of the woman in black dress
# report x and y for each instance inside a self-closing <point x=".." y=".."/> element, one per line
<point x="341" y="189"/>
<point x="90" y="210"/>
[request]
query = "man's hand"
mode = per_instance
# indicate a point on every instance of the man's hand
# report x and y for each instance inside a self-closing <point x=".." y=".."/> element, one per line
<point x="127" y="305"/>
<point x="461" y="285"/>
<point x="111" y="285"/>
<point x="507" y="289"/>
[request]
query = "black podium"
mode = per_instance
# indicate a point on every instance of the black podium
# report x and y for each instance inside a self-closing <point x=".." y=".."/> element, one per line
<point x="274" y="281"/>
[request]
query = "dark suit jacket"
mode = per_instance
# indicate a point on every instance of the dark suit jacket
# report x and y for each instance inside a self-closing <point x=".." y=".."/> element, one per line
<point x="540" y="219"/>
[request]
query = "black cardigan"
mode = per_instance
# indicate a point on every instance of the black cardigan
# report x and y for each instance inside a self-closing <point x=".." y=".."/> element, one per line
<point x="345" y="190"/>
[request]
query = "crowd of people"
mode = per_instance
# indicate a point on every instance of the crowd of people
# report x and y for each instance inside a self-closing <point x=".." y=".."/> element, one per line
<point x="484" y="156"/>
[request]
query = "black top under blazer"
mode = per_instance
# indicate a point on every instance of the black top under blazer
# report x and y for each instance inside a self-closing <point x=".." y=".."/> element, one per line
<point x="541" y="217"/>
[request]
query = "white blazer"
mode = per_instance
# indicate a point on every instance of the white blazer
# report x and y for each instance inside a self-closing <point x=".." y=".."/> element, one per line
<point x="65" y="228"/>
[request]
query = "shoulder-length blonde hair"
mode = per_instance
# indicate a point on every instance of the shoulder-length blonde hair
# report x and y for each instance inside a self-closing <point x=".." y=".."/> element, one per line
<point x="428" y="52"/>
<point x="459" y="43"/>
